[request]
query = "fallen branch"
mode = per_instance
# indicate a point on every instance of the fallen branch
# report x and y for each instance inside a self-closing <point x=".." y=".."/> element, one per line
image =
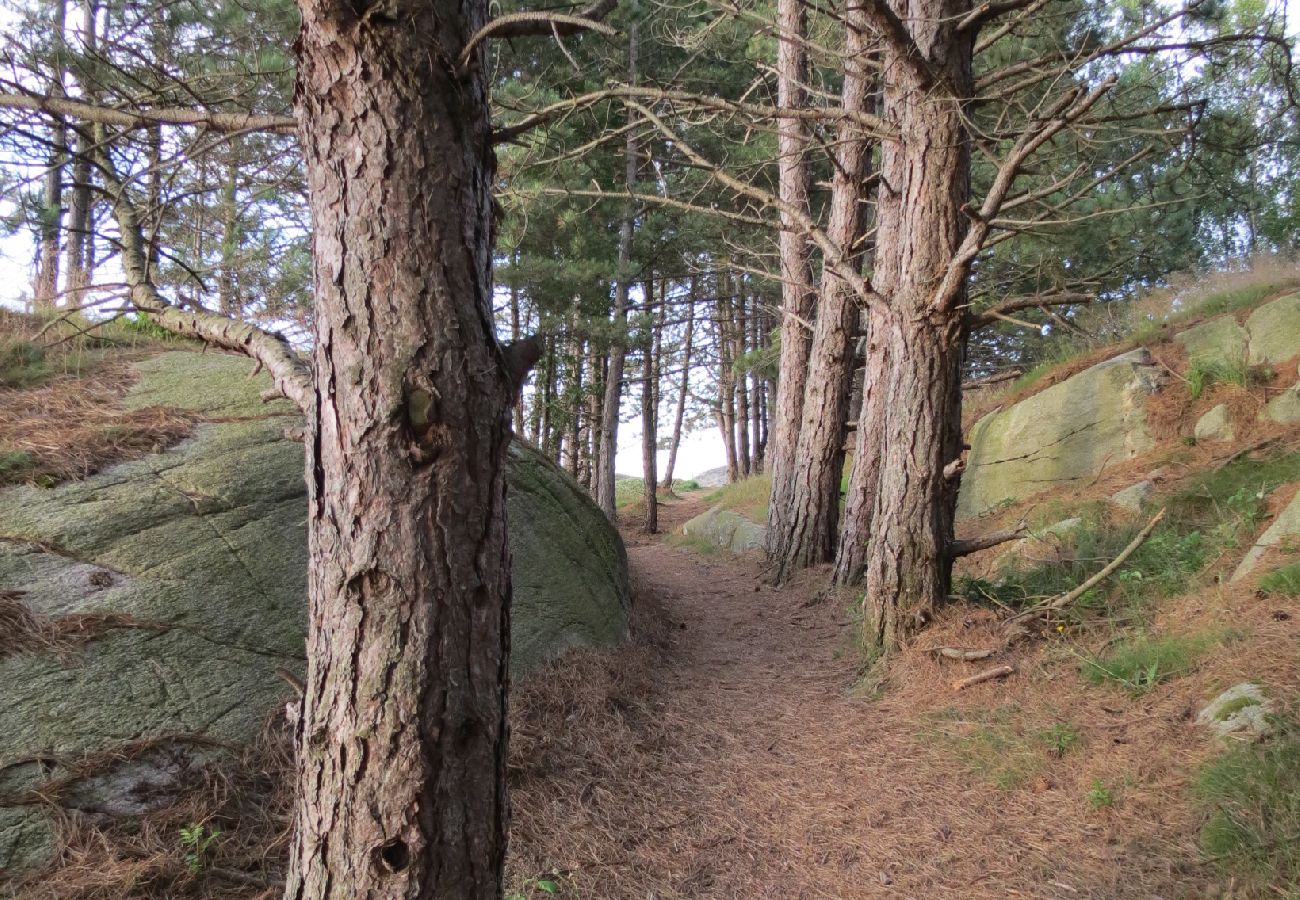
<point x="958" y="548"/>
<point x="1063" y="600"/>
<point x="961" y="653"/>
<point x="986" y="675"/>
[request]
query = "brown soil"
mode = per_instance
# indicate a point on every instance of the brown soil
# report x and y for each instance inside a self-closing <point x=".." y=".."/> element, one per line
<point x="740" y="754"/>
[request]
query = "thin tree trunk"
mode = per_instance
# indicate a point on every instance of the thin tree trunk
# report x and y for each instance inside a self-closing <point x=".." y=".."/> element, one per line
<point x="45" y="288"/>
<point x="402" y="749"/>
<point x="726" y="410"/>
<point x="756" y="391"/>
<point x="650" y="417"/>
<point x="76" y="265"/>
<point x="798" y="300"/>
<point x="812" y="517"/>
<point x="617" y="352"/>
<point x="739" y="328"/>
<point x="575" y="421"/>
<point x="227" y="290"/>
<point x="684" y="386"/>
<point x="921" y="226"/>
<point x="514" y="336"/>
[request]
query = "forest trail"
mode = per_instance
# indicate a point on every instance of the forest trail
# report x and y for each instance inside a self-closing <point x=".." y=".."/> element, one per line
<point x="742" y="759"/>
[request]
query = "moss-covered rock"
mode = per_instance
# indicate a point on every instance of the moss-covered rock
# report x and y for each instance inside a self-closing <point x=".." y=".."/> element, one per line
<point x="1220" y="342"/>
<point x="1275" y="331"/>
<point x="726" y="529"/>
<point x="1064" y="434"/>
<point x="1284" y="530"/>
<point x="201" y="554"/>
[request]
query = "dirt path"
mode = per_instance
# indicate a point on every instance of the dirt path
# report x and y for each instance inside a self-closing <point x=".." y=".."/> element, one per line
<point x="738" y="759"/>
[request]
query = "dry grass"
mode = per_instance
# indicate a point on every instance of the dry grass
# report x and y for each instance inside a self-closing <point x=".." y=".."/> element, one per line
<point x="246" y="798"/>
<point x="23" y="630"/>
<point x="72" y="427"/>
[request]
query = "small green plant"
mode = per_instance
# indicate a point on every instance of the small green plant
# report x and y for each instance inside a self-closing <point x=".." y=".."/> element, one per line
<point x="1251" y="794"/>
<point x="1140" y="663"/>
<point x="1099" y="796"/>
<point x="21" y="362"/>
<point x="1203" y="373"/>
<point x="15" y="465"/>
<point x="1284" y="581"/>
<point x="1060" y="738"/>
<point x="544" y="884"/>
<point x="196" y="840"/>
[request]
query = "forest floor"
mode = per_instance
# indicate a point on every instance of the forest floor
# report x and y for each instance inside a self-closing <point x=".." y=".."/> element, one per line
<point x="736" y="752"/>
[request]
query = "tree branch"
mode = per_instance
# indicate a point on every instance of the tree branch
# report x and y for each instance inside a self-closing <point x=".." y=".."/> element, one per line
<point x="289" y="372"/>
<point x="147" y="118"/>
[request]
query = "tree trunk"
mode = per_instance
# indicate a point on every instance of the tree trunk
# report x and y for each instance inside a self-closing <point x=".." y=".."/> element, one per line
<point x="726" y="408"/>
<point x="514" y="336"/>
<point x="921" y="226"/>
<point x="45" y="289"/>
<point x="227" y="287"/>
<point x="617" y="352"/>
<point x="864" y="477"/>
<point x="402" y="750"/>
<point x="650" y="417"/>
<point x="811" y="519"/>
<point x="739" y="328"/>
<point x="683" y="389"/>
<point x="798" y="300"/>
<point x="756" y="391"/>
<point x="77" y="266"/>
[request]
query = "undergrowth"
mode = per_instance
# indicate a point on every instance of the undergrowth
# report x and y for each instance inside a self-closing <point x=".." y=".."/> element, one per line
<point x="1211" y="512"/>
<point x="1251" y="795"/>
<point x="998" y="746"/>
<point x="749" y="497"/>
<point x="1284" y="580"/>
<point x="1141" y="662"/>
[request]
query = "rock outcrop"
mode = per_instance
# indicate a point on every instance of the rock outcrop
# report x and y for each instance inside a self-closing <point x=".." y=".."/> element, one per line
<point x="727" y="529"/>
<point x="1062" y="435"/>
<point x="189" y="568"/>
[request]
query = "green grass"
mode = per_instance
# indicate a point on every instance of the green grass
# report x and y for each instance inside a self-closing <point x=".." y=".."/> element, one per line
<point x="1284" y="581"/>
<point x="1212" y="512"/>
<point x="629" y="490"/>
<point x="1251" y="795"/>
<point x="22" y="363"/>
<point x="1203" y="373"/>
<point x="749" y="497"/>
<point x="1125" y="324"/>
<point x="1099" y="796"/>
<point x="15" y="466"/>
<point x="1139" y="663"/>
<point x="998" y="746"/>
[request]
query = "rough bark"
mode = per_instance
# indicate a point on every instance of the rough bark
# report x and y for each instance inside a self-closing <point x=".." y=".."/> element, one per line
<point x="739" y="329"/>
<point x="809" y="524"/>
<point x="921" y="227"/>
<point x="683" y="388"/>
<point x="403" y="732"/>
<point x="725" y="412"/>
<point x="864" y="476"/>
<point x="617" y="352"/>
<point x="45" y="288"/>
<point x="650" y="419"/>
<point x="77" y="266"/>
<point x="798" y="300"/>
